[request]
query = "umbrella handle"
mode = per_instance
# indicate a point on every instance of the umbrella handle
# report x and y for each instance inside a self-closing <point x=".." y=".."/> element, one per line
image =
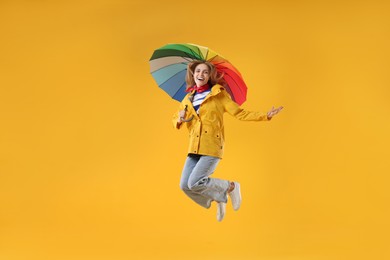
<point x="186" y="120"/>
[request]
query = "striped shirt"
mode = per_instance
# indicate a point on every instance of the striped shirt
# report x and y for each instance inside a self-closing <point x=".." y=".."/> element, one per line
<point x="198" y="99"/>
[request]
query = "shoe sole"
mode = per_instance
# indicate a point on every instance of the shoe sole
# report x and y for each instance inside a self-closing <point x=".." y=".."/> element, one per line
<point x="219" y="216"/>
<point x="238" y="187"/>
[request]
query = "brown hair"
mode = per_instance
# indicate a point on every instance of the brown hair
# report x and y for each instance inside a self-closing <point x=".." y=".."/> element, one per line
<point x="215" y="76"/>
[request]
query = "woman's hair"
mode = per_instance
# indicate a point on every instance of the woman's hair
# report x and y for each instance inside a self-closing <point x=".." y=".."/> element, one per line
<point x="215" y="77"/>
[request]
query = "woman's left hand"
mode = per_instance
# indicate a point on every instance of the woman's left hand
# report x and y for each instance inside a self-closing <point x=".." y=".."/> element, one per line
<point x="273" y="112"/>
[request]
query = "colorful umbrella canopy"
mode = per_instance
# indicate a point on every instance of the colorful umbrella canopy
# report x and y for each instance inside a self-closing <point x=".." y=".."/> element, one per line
<point x="168" y="66"/>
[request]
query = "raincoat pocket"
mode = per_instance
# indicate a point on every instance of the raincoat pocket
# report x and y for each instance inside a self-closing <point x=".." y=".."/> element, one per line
<point x="212" y="137"/>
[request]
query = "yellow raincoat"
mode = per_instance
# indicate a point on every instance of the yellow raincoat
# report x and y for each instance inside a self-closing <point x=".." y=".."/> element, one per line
<point x="206" y="129"/>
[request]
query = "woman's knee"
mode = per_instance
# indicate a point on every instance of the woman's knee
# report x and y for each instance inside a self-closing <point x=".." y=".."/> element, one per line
<point x="194" y="184"/>
<point x="184" y="186"/>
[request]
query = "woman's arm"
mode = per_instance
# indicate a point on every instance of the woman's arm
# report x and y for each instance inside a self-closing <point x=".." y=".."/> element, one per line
<point x="235" y="110"/>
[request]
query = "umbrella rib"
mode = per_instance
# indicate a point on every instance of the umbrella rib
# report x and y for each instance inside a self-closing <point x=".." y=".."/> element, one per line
<point x="168" y="66"/>
<point x="188" y="59"/>
<point x="199" y="53"/>
<point x="171" y="77"/>
<point x="178" y="89"/>
<point x="184" y="63"/>
<point x="194" y="53"/>
<point x="235" y="83"/>
<point x="218" y="63"/>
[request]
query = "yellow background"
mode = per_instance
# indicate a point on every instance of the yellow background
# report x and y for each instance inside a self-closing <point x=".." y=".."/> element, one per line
<point x="90" y="164"/>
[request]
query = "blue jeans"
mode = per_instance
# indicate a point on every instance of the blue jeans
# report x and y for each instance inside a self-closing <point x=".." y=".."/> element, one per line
<point x="196" y="183"/>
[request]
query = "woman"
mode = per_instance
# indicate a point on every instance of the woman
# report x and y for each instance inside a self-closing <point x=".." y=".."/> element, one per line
<point x="204" y="107"/>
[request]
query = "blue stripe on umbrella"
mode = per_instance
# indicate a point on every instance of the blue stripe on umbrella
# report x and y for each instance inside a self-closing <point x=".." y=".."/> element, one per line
<point x="181" y="93"/>
<point x="172" y="85"/>
<point x="164" y="74"/>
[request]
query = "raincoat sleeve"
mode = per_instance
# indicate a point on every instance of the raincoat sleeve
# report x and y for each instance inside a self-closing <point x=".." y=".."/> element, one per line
<point x="235" y="110"/>
<point x="176" y="117"/>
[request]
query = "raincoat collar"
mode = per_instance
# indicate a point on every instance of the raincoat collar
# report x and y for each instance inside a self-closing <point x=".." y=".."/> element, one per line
<point x="215" y="90"/>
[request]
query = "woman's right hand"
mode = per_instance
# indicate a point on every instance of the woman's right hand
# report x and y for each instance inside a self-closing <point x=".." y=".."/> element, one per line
<point x="182" y="114"/>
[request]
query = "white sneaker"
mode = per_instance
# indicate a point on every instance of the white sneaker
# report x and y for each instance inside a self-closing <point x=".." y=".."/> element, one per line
<point x="221" y="210"/>
<point x="235" y="196"/>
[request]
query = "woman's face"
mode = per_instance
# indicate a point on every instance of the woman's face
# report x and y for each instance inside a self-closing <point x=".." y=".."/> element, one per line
<point x="201" y="75"/>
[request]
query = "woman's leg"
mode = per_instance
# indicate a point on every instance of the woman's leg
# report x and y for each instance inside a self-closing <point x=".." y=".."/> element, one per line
<point x="200" y="182"/>
<point x="189" y="166"/>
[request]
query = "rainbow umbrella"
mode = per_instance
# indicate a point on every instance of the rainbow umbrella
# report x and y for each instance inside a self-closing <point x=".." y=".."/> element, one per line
<point x="168" y="66"/>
